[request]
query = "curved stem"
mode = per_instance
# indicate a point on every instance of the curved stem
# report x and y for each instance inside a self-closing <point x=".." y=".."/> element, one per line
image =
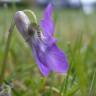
<point x="32" y="13"/>
<point x="3" y="67"/>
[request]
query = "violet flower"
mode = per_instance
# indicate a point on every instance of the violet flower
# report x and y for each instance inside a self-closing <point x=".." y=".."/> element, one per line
<point x="45" y="51"/>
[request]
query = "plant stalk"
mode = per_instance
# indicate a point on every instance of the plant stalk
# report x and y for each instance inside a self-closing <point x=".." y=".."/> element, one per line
<point x="4" y="63"/>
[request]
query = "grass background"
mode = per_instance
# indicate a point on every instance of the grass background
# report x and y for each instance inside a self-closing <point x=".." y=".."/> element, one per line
<point x="76" y="35"/>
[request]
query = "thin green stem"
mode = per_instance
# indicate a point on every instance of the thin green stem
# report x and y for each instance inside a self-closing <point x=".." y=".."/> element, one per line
<point x="65" y="83"/>
<point x="3" y="67"/>
<point x="92" y="83"/>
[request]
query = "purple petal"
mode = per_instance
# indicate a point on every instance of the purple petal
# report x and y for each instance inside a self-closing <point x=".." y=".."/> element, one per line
<point x="48" y="11"/>
<point x="47" y="23"/>
<point x="40" y="60"/>
<point x="56" y="60"/>
<point x="50" y="59"/>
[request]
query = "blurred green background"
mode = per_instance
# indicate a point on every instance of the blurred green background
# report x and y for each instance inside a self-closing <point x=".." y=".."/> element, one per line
<point x="76" y="35"/>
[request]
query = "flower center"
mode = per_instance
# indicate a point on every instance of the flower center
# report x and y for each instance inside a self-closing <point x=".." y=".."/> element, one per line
<point x="32" y="28"/>
<point x="35" y="31"/>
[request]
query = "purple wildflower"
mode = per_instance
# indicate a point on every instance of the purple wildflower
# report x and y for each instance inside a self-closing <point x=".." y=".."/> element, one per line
<point x="46" y="53"/>
<point x="48" y="56"/>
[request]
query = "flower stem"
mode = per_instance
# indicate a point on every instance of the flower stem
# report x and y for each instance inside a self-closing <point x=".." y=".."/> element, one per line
<point x="3" y="67"/>
<point x="33" y="15"/>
